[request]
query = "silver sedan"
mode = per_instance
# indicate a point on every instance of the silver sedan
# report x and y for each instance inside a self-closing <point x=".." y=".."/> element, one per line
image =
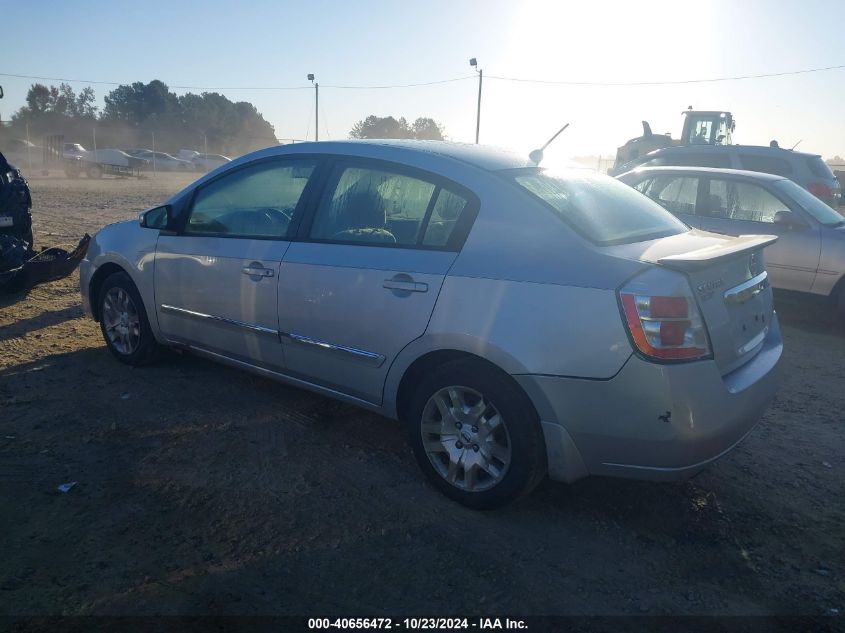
<point x="520" y="322"/>
<point x="809" y="255"/>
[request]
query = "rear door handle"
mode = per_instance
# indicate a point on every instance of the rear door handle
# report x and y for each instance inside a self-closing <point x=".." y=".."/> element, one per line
<point x="256" y="271"/>
<point x="407" y="286"/>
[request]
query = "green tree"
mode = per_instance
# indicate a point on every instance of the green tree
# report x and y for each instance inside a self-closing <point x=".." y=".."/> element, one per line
<point x="427" y="129"/>
<point x="138" y="103"/>
<point x="37" y="100"/>
<point x="389" y="127"/>
<point x="381" y="127"/>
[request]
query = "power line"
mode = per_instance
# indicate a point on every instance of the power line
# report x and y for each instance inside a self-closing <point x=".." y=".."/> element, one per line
<point x="665" y="83"/>
<point x="118" y="83"/>
<point x="337" y="87"/>
<point x="563" y="82"/>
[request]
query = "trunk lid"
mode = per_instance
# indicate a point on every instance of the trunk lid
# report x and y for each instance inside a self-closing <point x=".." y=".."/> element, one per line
<point x="728" y="279"/>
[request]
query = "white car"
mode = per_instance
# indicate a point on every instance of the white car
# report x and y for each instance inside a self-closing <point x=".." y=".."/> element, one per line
<point x="207" y="162"/>
<point x="162" y="161"/>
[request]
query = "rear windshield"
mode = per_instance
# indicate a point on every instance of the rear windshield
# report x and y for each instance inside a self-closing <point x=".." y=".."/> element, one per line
<point x="812" y="205"/>
<point x="600" y="208"/>
<point x="819" y="167"/>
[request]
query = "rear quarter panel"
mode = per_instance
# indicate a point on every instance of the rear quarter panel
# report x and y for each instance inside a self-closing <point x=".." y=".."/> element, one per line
<point x="527" y="294"/>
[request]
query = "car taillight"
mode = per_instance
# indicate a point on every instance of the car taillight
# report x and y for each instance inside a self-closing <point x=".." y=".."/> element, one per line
<point x="820" y="190"/>
<point x="665" y="328"/>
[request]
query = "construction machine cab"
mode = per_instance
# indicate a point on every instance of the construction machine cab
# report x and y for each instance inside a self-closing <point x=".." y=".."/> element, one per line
<point x="707" y="127"/>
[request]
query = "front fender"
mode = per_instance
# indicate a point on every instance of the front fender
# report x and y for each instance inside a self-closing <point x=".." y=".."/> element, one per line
<point x="131" y="248"/>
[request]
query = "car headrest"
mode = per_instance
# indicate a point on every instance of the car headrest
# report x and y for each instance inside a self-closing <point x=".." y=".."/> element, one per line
<point x="362" y="210"/>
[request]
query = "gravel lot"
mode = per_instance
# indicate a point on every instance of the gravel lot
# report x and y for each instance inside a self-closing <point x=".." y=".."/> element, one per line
<point x="205" y="490"/>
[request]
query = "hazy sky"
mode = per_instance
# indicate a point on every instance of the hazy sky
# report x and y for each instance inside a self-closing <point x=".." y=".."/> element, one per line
<point x="217" y="43"/>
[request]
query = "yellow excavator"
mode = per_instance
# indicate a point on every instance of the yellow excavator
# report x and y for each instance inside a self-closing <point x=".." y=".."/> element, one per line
<point x="701" y="127"/>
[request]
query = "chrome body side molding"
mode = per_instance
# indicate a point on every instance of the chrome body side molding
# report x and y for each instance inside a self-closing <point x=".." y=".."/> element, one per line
<point x="371" y="359"/>
<point x="219" y="319"/>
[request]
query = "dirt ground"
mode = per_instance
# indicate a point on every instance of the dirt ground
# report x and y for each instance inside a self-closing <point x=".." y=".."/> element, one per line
<point x="201" y="489"/>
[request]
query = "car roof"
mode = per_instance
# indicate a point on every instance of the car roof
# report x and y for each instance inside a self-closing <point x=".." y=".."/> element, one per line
<point x="486" y="157"/>
<point x="713" y="171"/>
<point x="757" y="149"/>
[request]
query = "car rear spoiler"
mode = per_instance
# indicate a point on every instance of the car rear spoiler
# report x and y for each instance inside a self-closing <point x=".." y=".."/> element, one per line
<point x="711" y="254"/>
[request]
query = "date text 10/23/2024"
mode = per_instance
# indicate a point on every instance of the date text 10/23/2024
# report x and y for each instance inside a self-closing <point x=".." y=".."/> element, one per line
<point x="417" y="624"/>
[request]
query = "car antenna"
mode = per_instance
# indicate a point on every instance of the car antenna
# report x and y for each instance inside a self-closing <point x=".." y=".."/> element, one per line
<point x="537" y="155"/>
<point x="796" y="145"/>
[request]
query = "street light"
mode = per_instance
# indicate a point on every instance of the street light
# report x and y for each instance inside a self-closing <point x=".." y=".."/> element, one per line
<point x="474" y="63"/>
<point x="316" y="107"/>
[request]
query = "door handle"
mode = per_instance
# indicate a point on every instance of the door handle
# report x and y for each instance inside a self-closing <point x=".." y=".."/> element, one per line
<point x="256" y="271"/>
<point x="407" y="286"/>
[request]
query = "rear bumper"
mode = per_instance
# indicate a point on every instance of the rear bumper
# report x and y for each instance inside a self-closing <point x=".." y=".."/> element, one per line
<point x="620" y="426"/>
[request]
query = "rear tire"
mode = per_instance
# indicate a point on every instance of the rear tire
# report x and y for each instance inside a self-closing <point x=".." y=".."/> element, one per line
<point x="476" y="435"/>
<point x="94" y="171"/>
<point x="123" y="321"/>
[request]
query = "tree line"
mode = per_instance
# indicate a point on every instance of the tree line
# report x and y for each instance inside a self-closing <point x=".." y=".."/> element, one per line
<point x="135" y="114"/>
<point x="140" y="115"/>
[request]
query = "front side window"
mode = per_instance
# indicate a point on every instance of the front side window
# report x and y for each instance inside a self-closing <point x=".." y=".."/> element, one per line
<point x="743" y="201"/>
<point x="812" y="205"/>
<point x="254" y="202"/>
<point x="380" y="206"/>
<point x="602" y="209"/>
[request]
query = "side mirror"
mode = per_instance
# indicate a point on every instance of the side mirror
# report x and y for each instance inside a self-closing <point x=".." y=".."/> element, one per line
<point x="157" y="218"/>
<point x="788" y="220"/>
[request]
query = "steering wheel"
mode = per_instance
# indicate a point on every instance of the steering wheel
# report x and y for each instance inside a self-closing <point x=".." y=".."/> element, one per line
<point x="277" y="216"/>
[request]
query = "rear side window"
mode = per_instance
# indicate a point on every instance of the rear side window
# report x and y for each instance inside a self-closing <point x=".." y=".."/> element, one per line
<point x="765" y="164"/>
<point x="444" y="218"/>
<point x="602" y="209"/>
<point x="676" y="194"/>
<point x="819" y="168"/>
<point x="387" y="208"/>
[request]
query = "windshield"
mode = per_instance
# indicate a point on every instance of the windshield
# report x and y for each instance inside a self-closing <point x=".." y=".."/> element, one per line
<point x="600" y="208"/>
<point x="812" y="205"/>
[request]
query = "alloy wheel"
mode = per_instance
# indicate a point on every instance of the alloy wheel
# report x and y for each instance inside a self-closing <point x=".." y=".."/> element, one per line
<point x="465" y="438"/>
<point x="121" y="321"/>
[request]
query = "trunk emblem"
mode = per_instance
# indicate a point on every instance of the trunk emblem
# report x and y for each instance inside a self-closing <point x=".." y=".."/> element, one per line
<point x="706" y="289"/>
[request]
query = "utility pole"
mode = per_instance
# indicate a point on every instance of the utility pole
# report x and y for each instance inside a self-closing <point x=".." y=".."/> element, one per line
<point x="474" y="63"/>
<point x="316" y="107"/>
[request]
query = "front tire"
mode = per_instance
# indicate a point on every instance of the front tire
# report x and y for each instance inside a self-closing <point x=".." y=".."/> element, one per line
<point x="123" y="321"/>
<point x="476" y="435"/>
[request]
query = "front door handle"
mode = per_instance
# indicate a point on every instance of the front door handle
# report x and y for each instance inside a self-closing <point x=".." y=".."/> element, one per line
<point x="257" y="271"/>
<point x="406" y="285"/>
